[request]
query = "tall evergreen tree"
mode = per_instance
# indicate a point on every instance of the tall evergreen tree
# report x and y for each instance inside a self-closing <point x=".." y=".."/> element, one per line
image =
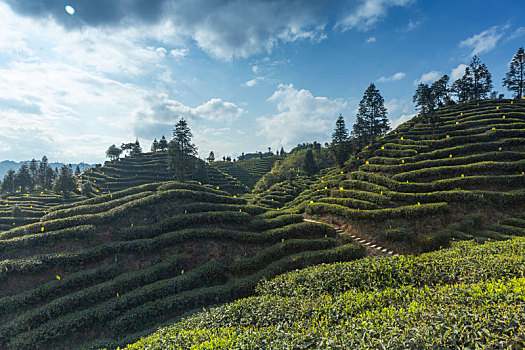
<point x="478" y="79"/>
<point x="113" y="152"/>
<point x="136" y="150"/>
<point x="371" y="121"/>
<point x="65" y="182"/>
<point x="211" y="157"/>
<point x="310" y="166"/>
<point x="33" y="170"/>
<point x="163" y="144"/>
<point x="8" y="184"/>
<point x="181" y="151"/>
<point x="340" y="146"/>
<point x="440" y="91"/>
<point x="77" y="170"/>
<point x="46" y="175"/>
<point x="282" y="152"/>
<point x="514" y="80"/>
<point x="155" y="145"/>
<point x="462" y="88"/>
<point x="23" y="178"/>
<point x="424" y="99"/>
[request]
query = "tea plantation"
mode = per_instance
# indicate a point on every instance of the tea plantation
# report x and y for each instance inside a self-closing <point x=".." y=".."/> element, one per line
<point x="409" y="186"/>
<point x="106" y="270"/>
<point x="24" y="208"/>
<point x="466" y="297"/>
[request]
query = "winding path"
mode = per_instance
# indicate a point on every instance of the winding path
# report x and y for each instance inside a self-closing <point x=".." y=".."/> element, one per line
<point x="367" y="244"/>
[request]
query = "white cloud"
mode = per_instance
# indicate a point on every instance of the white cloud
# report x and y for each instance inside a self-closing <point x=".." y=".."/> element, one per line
<point x="393" y="77"/>
<point x="159" y="113"/>
<point x="399" y="111"/>
<point x="179" y="53"/>
<point x="411" y="25"/>
<point x="517" y="33"/>
<point x="300" y="116"/>
<point x="457" y="72"/>
<point x="428" y="77"/>
<point x="367" y="13"/>
<point x="484" y="41"/>
<point x="372" y="39"/>
<point x="252" y="82"/>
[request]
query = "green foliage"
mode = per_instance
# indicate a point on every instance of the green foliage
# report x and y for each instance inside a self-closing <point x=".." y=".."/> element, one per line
<point x="514" y="80"/>
<point x="455" y="297"/>
<point x="181" y="150"/>
<point x="340" y="146"/>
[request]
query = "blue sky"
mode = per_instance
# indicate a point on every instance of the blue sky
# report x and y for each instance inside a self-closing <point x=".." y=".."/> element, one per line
<point x="247" y="75"/>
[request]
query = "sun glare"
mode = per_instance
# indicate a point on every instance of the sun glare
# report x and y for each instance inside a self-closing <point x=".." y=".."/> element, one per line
<point x="70" y="10"/>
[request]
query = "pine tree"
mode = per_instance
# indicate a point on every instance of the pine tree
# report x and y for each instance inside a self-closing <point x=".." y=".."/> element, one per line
<point x="23" y="178"/>
<point x="424" y="99"/>
<point x="514" y="80"/>
<point x="33" y="170"/>
<point x="340" y="142"/>
<point x="371" y="120"/>
<point x="163" y="144"/>
<point x="211" y="157"/>
<point x="46" y="174"/>
<point x="480" y="78"/>
<point x="113" y="152"/>
<point x="136" y="150"/>
<point x="8" y="184"/>
<point x="77" y="171"/>
<point x="282" y="153"/>
<point x="181" y="151"/>
<point x="155" y="145"/>
<point x="462" y="88"/>
<point x="310" y="166"/>
<point x="440" y="91"/>
<point x="65" y="182"/>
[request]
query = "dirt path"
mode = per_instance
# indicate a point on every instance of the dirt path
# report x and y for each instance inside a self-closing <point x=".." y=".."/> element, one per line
<point x="371" y="247"/>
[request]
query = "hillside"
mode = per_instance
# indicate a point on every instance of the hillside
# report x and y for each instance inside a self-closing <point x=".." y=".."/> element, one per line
<point x="469" y="296"/>
<point x="20" y="209"/>
<point x="151" y="167"/>
<point x="458" y="175"/>
<point x="109" y="269"/>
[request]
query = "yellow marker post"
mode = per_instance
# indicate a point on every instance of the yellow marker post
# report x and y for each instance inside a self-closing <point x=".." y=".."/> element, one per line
<point x="450" y="155"/>
<point x="462" y="175"/>
<point x="340" y="188"/>
<point x="42" y="229"/>
<point x="382" y="147"/>
<point x="58" y="277"/>
<point x="367" y="162"/>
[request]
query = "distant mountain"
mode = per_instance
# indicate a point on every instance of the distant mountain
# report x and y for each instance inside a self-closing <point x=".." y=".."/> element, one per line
<point x="5" y="165"/>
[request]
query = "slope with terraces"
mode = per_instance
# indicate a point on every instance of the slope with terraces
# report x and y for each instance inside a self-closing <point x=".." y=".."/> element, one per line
<point x="107" y="270"/>
<point x="148" y="168"/>
<point x="414" y="186"/>
<point x="23" y="208"/>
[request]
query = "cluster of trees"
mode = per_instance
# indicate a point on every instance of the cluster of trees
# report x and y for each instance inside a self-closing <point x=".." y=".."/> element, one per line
<point x="159" y="146"/>
<point x="371" y="122"/>
<point x="475" y="84"/>
<point x="39" y="176"/>
<point x="133" y="149"/>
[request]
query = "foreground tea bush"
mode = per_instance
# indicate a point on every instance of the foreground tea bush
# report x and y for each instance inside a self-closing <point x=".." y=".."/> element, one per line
<point x="454" y="298"/>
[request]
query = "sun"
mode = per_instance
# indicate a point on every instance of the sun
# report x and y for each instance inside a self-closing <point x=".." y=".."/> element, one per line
<point x="70" y="9"/>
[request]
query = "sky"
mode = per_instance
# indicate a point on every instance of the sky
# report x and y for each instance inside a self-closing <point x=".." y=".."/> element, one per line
<point x="79" y="75"/>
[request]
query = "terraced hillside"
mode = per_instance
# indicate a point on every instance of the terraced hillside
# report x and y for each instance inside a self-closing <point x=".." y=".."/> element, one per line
<point x="468" y="297"/>
<point x="426" y="175"/>
<point x="248" y="172"/>
<point x="148" y="168"/>
<point x="25" y="208"/>
<point x="112" y="268"/>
